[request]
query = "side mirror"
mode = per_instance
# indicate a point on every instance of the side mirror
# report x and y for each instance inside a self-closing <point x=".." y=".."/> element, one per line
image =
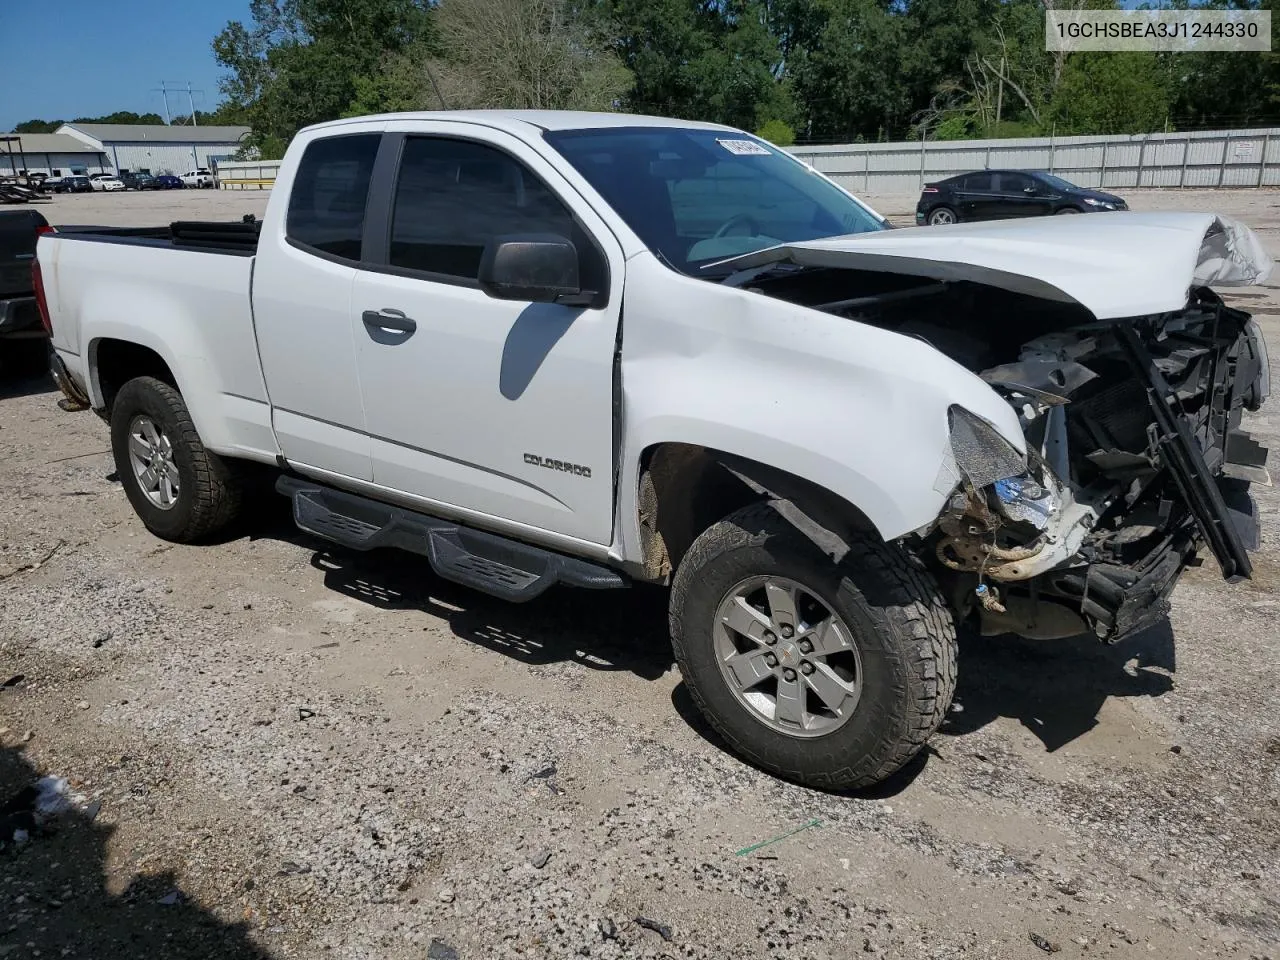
<point x="542" y="268"/>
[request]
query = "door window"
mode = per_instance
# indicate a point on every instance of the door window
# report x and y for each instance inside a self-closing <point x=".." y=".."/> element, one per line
<point x="454" y="196"/>
<point x="1015" y="182"/>
<point x="978" y="182"/>
<point x="326" y="207"/>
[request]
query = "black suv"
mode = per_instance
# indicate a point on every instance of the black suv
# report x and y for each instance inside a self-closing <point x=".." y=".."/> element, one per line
<point x="138" y="181"/>
<point x="1001" y="194"/>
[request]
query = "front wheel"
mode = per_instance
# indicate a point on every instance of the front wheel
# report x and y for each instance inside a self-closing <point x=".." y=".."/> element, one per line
<point x="831" y="675"/>
<point x="180" y="490"/>
<point x="1066" y="210"/>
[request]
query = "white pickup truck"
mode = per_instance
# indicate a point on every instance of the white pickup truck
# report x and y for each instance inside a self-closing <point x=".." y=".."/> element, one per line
<point x="591" y="349"/>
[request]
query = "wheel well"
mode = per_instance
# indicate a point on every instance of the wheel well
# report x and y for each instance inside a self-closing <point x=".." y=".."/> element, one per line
<point x="684" y="489"/>
<point x="116" y="362"/>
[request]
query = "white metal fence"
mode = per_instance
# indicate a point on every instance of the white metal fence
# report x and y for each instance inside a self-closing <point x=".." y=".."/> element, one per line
<point x="1207" y="158"/>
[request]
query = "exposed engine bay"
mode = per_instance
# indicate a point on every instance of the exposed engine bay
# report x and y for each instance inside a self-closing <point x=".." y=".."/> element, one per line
<point x="1135" y="452"/>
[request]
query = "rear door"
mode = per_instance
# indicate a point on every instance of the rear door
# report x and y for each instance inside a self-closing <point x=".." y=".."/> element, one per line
<point x="489" y="408"/>
<point x="975" y="195"/>
<point x="302" y="306"/>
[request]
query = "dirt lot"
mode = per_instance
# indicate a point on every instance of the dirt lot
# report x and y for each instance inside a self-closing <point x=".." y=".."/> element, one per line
<point x="299" y="752"/>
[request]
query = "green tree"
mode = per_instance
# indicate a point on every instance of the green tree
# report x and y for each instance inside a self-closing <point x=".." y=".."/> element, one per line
<point x="535" y="54"/>
<point x="778" y="133"/>
<point x="298" y="61"/>
<point x="1103" y="93"/>
<point x="38" y="126"/>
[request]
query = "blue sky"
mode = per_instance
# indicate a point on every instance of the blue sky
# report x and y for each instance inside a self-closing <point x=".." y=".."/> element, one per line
<point x="77" y="58"/>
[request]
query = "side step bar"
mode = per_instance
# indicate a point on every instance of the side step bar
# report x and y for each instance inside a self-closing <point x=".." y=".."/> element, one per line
<point x="496" y="565"/>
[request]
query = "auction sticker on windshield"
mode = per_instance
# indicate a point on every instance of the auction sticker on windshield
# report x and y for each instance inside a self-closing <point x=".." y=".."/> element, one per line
<point x="743" y="148"/>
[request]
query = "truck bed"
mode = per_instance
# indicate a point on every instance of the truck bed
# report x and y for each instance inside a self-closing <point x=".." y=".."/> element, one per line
<point x="178" y="291"/>
<point x="239" y="237"/>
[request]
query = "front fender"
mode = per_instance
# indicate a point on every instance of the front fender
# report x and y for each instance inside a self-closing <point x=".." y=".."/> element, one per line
<point x="857" y="410"/>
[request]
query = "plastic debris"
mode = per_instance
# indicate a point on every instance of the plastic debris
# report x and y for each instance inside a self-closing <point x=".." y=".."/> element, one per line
<point x="539" y="859"/>
<point x="661" y="929"/>
<point x="172" y="898"/>
<point x="1044" y="944"/>
<point x="439" y="950"/>
<point x="790" y="833"/>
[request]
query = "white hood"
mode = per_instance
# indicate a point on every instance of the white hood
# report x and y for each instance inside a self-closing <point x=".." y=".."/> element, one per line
<point x="1113" y="264"/>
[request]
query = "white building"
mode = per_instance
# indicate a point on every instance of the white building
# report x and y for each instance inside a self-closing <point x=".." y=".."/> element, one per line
<point x="157" y="148"/>
<point x="56" y="154"/>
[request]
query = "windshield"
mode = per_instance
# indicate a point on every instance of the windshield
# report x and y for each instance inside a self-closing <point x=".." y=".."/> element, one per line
<point x="698" y="196"/>
<point x="1058" y="182"/>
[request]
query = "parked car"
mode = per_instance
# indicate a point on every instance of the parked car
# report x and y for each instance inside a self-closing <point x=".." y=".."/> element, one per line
<point x="21" y="334"/>
<point x="166" y="181"/>
<point x="107" y="182"/>
<point x="1002" y="194"/>
<point x="198" y="178"/>
<point x="138" y="181"/>
<point x="833" y="448"/>
<point x="71" y="184"/>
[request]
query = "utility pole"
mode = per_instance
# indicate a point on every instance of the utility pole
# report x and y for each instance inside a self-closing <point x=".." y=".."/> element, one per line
<point x="164" y="94"/>
<point x="193" y="105"/>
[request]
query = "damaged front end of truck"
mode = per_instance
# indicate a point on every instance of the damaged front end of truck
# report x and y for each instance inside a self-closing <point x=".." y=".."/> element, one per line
<point x="1131" y="396"/>
<point x="1136" y="457"/>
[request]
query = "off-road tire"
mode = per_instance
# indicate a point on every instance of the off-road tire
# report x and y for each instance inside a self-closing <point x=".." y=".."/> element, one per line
<point x="903" y="628"/>
<point x="209" y="490"/>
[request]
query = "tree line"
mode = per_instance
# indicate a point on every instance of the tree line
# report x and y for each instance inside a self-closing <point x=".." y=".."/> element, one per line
<point x="807" y="70"/>
<point x="225" y="114"/>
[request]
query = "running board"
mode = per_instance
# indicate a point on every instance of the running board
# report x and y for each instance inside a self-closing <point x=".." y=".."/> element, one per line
<point x="496" y="565"/>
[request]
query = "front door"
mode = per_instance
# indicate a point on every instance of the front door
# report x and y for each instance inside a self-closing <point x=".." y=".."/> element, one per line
<point x="1021" y="196"/>
<point x="495" y="408"/>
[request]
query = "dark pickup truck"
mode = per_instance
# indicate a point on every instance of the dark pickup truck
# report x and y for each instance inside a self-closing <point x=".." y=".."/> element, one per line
<point x="19" y="317"/>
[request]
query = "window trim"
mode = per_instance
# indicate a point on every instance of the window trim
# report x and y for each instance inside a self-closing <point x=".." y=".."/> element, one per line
<point x="376" y="253"/>
<point x="368" y="199"/>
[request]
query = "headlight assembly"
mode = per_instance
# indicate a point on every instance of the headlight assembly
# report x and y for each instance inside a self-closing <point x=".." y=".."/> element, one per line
<point x="981" y="454"/>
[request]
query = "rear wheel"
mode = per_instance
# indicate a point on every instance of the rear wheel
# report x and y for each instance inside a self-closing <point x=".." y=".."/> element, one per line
<point x="832" y="675"/>
<point x="180" y="490"/>
<point x="941" y="216"/>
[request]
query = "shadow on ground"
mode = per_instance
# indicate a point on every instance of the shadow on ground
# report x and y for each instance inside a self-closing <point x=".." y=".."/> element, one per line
<point x="1055" y="688"/>
<point x="23" y="384"/>
<point x="599" y="629"/>
<point x="56" y="904"/>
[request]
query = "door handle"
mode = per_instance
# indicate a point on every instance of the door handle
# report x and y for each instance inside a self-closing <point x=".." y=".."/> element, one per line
<point x="389" y="319"/>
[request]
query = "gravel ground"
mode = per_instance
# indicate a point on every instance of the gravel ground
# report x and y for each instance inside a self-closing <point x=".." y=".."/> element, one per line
<point x="284" y="751"/>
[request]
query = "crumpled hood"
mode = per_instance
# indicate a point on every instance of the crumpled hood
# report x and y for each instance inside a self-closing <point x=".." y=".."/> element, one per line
<point x="1113" y="264"/>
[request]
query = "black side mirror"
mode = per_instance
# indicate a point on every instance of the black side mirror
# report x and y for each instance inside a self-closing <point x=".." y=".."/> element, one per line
<point x="542" y="268"/>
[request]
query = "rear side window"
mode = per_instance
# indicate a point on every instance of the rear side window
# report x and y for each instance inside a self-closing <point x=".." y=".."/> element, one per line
<point x="326" y="207"/>
<point x="453" y="196"/>
<point x="978" y="181"/>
